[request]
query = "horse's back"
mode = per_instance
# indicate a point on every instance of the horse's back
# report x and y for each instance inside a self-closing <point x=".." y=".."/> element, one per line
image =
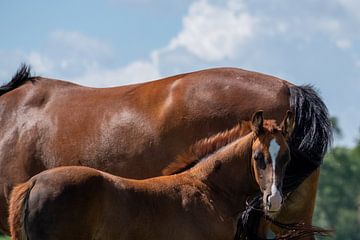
<point x="234" y="90"/>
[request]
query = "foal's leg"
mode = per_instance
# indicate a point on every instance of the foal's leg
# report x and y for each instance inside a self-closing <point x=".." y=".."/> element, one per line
<point x="298" y="208"/>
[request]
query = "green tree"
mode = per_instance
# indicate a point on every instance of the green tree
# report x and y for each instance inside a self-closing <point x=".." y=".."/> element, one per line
<point x="338" y="200"/>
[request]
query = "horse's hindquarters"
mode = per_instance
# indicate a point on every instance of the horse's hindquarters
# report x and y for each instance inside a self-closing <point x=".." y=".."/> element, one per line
<point x="64" y="204"/>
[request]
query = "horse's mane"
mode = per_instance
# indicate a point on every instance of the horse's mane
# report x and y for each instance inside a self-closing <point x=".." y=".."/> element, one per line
<point x="22" y="75"/>
<point x="205" y="147"/>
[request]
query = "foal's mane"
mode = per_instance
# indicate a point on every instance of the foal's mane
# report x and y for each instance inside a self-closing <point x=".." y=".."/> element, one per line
<point x="205" y="147"/>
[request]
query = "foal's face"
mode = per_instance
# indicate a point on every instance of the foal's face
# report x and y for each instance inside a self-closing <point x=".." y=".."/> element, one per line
<point x="270" y="156"/>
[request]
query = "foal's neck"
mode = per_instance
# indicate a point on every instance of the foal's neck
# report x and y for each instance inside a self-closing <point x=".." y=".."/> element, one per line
<point x="228" y="172"/>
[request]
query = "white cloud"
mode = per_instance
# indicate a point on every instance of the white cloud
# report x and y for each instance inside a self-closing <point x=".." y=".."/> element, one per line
<point x="9" y="61"/>
<point x="212" y="32"/>
<point x="40" y="62"/>
<point x="79" y="58"/>
<point x="336" y="29"/>
<point x="357" y="63"/>
<point x="66" y="54"/>
<point x="282" y="27"/>
<point x="352" y="6"/>
<point x="328" y="25"/>
<point x="73" y="52"/>
<point x="86" y="58"/>
<point x="78" y="43"/>
<point x="343" y="43"/>
<point x="135" y="72"/>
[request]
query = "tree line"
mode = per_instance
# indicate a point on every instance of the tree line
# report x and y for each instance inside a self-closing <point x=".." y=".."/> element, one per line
<point x="338" y="198"/>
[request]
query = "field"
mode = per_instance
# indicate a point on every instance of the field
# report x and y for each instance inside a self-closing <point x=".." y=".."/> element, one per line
<point x="4" y="238"/>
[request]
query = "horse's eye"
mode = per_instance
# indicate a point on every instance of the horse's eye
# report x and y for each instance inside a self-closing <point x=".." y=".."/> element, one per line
<point x="260" y="161"/>
<point x="259" y="156"/>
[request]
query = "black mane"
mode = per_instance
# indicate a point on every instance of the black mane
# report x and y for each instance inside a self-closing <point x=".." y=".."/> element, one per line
<point x="22" y="75"/>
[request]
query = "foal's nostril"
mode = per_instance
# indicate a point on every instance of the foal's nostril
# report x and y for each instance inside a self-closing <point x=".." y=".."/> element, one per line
<point x="268" y="203"/>
<point x="267" y="197"/>
<point x="273" y="201"/>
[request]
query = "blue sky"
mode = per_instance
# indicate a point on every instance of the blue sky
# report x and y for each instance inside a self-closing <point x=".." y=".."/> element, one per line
<point x="115" y="42"/>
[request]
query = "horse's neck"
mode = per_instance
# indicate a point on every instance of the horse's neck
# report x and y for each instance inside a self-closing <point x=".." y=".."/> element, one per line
<point x="228" y="172"/>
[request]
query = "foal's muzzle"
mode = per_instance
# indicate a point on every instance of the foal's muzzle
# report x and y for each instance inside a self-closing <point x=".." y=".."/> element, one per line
<point x="273" y="201"/>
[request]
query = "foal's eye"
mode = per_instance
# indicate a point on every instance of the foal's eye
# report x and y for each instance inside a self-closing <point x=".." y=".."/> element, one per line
<point x="260" y="161"/>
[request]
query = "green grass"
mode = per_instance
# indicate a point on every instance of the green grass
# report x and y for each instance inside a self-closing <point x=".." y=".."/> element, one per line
<point x="4" y="238"/>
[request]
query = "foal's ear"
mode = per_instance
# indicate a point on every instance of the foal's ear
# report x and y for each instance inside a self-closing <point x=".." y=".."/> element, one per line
<point x="257" y="121"/>
<point x="288" y="124"/>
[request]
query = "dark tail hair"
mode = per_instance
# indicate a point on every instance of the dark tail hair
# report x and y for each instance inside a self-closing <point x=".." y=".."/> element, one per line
<point x="18" y="210"/>
<point x="22" y="75"/>
<point x="311" y="137"/>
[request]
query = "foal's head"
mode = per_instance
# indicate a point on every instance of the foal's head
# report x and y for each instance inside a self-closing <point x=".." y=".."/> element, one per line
<point x="270" y="155"/>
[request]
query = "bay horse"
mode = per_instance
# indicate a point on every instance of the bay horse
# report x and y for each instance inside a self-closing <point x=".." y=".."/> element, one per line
<point x="136" y="130"/>
<point x="203" y="202"/>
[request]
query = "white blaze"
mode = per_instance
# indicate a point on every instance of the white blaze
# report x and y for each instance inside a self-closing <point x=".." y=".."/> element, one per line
<point x="275" y="198"/>
<point x="274" y="151"/>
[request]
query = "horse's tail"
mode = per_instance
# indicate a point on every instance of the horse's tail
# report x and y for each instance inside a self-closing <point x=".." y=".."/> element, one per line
<point x="311" y="137"/>
<point x="22" y="75"/>
<point x="18" y="209"/>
